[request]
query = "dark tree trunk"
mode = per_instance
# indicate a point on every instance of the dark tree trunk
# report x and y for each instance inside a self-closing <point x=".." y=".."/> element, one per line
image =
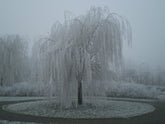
<point x="1" y="82"/>
<point x="80" y="99"/>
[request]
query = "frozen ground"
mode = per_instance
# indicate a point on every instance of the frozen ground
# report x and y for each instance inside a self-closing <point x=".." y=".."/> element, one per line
<point x="101" y="108"/>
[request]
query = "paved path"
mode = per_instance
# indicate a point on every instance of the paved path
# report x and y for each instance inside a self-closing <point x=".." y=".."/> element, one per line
<point x="156" y="117"/>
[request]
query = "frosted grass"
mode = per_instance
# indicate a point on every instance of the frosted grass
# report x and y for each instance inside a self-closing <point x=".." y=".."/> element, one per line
<point x="101" y="108"/>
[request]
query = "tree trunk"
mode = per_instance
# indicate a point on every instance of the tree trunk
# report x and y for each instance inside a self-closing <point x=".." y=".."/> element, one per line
<point x="80" y="99"/>
<point x="1" y="82"/>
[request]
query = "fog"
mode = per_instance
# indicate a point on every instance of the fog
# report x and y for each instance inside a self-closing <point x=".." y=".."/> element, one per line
<point x="88" y="58"/>
<point x="35" y="18"/>
<point x="68" y="54"/>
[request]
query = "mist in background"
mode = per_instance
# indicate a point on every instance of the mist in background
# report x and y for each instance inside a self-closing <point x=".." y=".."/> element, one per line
<point x="34" y="18"/>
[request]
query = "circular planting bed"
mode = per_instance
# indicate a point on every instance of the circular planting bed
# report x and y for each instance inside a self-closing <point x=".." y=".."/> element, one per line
<point x="102" y="108"/>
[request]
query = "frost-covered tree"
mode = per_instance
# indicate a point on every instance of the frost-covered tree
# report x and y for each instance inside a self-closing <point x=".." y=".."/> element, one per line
<point x="80" y="53"/>
<point x="13" y="60"/>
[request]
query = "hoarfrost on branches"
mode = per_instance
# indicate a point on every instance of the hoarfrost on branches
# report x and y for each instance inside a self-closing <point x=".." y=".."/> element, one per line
<point x="80" y="53"/>
<point x="13" y="60"/>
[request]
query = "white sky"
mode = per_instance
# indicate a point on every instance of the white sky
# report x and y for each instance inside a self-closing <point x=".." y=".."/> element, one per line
<point x="35" y="17"/>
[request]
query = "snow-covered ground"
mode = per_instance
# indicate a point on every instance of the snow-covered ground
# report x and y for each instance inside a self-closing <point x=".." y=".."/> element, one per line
<point x="101" y="108"/>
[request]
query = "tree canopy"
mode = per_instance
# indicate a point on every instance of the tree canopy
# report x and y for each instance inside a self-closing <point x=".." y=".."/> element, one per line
<point x="83" y="50"/>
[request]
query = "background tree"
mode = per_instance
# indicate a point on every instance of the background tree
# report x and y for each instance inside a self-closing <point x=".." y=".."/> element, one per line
<point x="14" y="60"/>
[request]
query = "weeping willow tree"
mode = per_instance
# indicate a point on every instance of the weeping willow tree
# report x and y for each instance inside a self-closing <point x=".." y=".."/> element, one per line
<point x="80" y="52"/>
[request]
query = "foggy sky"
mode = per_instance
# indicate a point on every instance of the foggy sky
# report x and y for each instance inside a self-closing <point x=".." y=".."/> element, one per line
<point x="32" y="18"/>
